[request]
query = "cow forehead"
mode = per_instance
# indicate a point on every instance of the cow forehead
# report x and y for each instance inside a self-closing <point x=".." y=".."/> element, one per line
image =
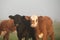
<point x="34" y="17"/>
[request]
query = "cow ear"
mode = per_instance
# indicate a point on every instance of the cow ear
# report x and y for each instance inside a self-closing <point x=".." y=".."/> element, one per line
<point x="27" y="17"/>
<point x="40" y="17"/>
<point x="11" y="17"/>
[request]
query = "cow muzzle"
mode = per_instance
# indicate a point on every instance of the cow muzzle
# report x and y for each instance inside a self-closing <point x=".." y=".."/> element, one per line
<point x="34" y="25"/>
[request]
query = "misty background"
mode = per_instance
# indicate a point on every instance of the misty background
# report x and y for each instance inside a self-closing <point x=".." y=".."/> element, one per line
<point x="49" y="8"/>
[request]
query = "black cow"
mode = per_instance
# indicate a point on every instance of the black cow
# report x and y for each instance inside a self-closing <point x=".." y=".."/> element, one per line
<point x="24" y="30"/>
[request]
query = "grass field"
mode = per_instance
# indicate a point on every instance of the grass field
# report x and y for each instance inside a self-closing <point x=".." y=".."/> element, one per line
<point x="57" y="31"/>
<point x="13" y="36"/>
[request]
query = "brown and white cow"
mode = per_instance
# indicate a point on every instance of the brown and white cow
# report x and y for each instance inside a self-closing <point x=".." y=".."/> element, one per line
<point x="43" y="26"/>
<point x="6" y="26"/>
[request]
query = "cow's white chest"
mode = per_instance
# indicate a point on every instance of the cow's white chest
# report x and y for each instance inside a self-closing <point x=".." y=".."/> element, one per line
<point x="3" y="33"/>
<point x="40" y="35"/>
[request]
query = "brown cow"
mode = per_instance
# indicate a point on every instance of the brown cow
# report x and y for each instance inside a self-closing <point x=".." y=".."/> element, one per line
<point x="6" y="26"/>
<point x="43" y="27"/>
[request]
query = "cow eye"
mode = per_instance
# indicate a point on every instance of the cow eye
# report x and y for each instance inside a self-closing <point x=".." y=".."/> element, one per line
<point x="36" y="20"/>
<point x="32" y="20"/>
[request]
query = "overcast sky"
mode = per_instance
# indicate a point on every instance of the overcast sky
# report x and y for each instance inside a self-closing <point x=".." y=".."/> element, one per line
<point x="50" y="8"/>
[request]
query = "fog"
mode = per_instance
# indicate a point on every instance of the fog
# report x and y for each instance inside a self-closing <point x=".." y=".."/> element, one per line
<point x="49" y="8"/>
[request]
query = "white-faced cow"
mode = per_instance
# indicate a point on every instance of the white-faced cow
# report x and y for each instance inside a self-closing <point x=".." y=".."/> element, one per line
<point x="43" y="26"/>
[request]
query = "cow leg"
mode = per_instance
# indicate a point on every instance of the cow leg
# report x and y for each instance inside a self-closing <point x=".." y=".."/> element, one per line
<point x="27" y="36"/>
<point x="33" y="37"/>
<point x="44" y="37"/>
<point x="6" y="36"/>
<point x="52" y="36"/>
<point x="36" y="36"/>
<point x="19" y="36"/>
<point x="0" y="32"/>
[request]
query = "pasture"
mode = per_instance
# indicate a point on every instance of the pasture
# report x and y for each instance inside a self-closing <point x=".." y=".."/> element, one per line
<point x="13" y="35"/>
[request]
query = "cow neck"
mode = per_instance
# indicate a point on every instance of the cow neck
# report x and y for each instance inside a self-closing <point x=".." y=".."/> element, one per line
<point x="37" y="29"/>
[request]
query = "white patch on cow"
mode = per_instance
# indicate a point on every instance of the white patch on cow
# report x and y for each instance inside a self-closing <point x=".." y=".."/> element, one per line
<point x="34" y="25"/>
<point x="41" y="35"/>
<point x="34" y="18"/>
<point x="3" y="33"/>
<point x="15" y="31"/>
<point x="23" y="38"/>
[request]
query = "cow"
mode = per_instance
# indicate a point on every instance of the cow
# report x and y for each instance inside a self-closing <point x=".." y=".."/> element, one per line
<point x="24" y="30"/>
<point x="43" y="26"/>
<point x="6" y="27"/>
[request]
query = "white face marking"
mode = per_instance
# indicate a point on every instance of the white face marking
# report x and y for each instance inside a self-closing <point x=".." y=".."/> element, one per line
<point x="40" y="35"/>
<point x="34" y="17"/>
<point x="34" y="21"/>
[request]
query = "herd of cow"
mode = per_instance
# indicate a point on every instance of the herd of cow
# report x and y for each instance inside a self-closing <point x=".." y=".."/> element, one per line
<point x="28" y="27"/>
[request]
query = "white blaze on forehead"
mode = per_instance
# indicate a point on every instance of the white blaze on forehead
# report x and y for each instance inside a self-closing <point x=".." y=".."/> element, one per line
<point x="34" y="17"/>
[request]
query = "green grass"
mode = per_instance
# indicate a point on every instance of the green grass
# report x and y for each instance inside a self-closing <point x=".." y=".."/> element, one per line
<point x="57" y="31"/>
<point x="13" y="36"/>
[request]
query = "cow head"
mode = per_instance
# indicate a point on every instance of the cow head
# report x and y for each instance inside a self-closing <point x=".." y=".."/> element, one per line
<point x="17" y="19"/>
<point x="34" y="21"/>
